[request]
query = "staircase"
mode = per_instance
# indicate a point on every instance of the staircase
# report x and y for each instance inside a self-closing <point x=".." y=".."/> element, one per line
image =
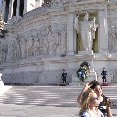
<point x="50" y="95"/>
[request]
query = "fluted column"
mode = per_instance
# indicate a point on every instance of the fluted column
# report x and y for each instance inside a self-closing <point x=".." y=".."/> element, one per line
<point x="3" y="9"/>
<point x="17" y="9"/>
<point x="70" y="34"/>
<point x="103" y="31"/>
<point x="11" y="8"/>
<point x="25" y="6"/>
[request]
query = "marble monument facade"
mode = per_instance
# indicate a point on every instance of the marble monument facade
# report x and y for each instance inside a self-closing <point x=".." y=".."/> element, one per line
<point x="42" y="41"/>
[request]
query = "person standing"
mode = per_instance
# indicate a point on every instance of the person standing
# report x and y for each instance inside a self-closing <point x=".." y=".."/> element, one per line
<point x="64" y="76"/>
<point x="88" y="107"/>
<point x="104" y="73"/>
<point x="105" y="103"/>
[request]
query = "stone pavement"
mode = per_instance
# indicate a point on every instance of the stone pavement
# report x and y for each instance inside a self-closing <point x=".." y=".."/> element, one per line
<point x="46" y="101"/>
<point x="61" y="96"/>
<point x="12" y="110"/>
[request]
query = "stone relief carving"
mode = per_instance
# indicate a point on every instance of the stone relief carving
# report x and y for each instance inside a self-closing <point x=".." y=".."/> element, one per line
<point x="23" y="41"/>
<point x="18" y="47"/>
<point x="113" y="37"/>
<point x="57" y="3"/>
<point x="42" y="41"/>
<point x="59" y="36"/>
<point x="3" y="52"/>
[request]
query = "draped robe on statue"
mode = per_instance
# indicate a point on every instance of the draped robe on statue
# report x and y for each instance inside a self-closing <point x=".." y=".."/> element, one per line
<point x="87" y="30"/>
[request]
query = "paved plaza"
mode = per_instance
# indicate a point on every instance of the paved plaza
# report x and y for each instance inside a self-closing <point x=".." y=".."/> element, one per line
<point x="45" y="101"/>
<point x="12" y="110"/>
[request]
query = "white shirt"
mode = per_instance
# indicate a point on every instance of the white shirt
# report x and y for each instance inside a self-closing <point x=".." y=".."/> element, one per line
<point x="89" y="113"/>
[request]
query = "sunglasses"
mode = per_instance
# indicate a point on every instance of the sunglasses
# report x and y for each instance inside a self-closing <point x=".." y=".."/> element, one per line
<point x="94" y="98"/>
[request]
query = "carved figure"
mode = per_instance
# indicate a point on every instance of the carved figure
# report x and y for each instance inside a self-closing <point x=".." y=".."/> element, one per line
<point x="87" y="29"/>
<point x="114" y="37"/>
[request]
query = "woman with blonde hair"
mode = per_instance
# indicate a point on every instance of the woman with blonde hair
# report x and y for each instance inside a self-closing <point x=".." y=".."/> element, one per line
<point x="105" y="103"/>
<point x="89" y="105"/>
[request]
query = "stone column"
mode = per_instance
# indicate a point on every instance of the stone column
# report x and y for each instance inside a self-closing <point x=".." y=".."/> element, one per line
<point x="70" y="34"/>
<point x="102" y="31"/>
<point x="3" y="10"/>
<point x="11" y="9"/>
<point x="17" y="10"/>
<point x="25" y="6"/>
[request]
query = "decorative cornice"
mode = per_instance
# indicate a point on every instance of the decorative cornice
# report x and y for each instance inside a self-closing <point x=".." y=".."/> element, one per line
<point x="45" y="13"/>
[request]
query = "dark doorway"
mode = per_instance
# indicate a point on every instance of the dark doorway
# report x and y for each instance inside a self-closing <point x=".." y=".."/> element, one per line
<point x="14" y="7"/>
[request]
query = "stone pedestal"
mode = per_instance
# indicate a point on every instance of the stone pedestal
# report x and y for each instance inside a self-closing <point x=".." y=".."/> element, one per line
<point x="85" y="52"/>
<point x="85" y="56"/>
<point x="92" y="76"/>
<point x="75" y="80"/>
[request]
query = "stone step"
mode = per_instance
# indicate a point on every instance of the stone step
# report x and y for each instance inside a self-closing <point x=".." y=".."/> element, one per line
<point x="50" y="95"/>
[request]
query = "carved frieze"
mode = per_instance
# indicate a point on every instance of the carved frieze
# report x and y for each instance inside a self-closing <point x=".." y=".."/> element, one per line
<point x="35" y="42"/>
<point x="57" y="3"/>
<point x="113" y="38"/>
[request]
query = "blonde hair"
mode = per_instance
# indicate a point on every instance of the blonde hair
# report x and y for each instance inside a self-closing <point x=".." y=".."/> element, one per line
<point x="86" y="98"/>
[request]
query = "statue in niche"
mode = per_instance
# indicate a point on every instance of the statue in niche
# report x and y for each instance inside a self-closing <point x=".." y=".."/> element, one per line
<point x="87" y="30"/>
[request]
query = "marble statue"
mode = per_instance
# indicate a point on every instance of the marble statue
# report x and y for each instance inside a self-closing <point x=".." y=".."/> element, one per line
<point x="87" y="30"/>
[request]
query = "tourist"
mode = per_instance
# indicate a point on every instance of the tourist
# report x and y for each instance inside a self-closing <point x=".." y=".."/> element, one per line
<point x="89" y="103"/>
<point x="104" y="105"/>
